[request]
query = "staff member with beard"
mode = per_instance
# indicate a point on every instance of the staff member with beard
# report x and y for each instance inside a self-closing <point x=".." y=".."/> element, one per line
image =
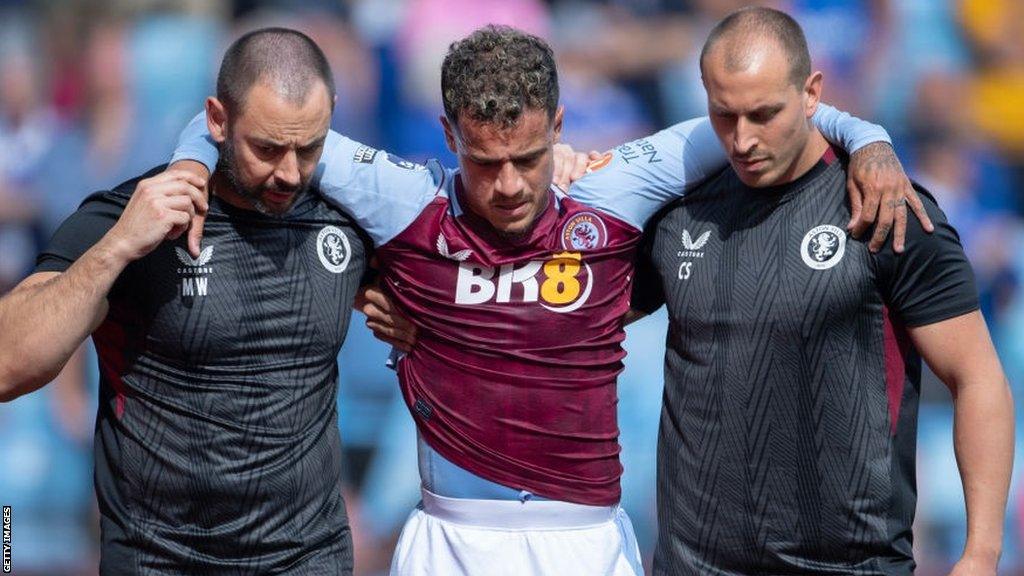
<point x="217" y="447"/>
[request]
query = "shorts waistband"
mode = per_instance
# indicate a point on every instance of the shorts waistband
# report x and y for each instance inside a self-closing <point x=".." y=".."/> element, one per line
<point x="514" y="514"/>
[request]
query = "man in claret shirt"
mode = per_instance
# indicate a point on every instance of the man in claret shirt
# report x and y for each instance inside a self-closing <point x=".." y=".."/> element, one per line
<point x="793" y="361"/>
<point x="518" y="293"/>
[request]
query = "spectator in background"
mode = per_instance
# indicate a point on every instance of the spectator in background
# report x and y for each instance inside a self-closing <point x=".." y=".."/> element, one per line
<point x="93" y="145"/>
<point x="925" y="39"/>
<point x="626" y="44"/>
<point x="121" y="130"/>
<point x="682" y="91"/>
<point x="968" y="180"/>
<point x="995" y="29"/>
<point x="43" y="441"/>
<point x="27" y="126"/>
<point x="848" y="40"/>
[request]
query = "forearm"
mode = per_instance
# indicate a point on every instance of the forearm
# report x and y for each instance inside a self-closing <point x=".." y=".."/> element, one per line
<point x="849" y="132"/>
<point x="42" y="324"/>
<point x="194" y="167"/>
<point x="983" y="441"/>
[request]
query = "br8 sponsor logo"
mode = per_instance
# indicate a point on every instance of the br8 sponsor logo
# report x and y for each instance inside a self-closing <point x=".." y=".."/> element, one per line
<point x="560" y="284"/>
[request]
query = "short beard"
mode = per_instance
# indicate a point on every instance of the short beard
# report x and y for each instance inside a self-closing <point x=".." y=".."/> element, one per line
<point x="227" y="166"/>
<point x="518" y="235"/>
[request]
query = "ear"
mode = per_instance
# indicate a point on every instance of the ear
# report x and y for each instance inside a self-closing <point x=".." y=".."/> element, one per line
<point x="557" y="127"/>
<point x="216" y="119"/>
<point x="812" y="92"/>
<point x="449" y="134"/>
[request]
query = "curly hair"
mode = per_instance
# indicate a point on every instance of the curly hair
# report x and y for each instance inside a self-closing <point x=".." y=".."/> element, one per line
<point x="497" y="73"/>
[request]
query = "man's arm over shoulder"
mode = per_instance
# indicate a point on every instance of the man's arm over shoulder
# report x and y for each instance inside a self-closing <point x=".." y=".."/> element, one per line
<point x="381" y="191"/>
<point x="636" y="179"/>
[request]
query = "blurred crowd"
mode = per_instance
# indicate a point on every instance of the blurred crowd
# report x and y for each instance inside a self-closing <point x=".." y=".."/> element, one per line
<point x="95" y="92"/>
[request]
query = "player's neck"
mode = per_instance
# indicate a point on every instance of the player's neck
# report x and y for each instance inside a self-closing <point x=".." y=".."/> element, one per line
<point x="813" y="150"/>
<point x="221" y="187"/>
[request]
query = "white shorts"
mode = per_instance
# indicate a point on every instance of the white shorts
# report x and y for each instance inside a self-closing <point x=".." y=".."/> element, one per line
<point x="458" y="536"/>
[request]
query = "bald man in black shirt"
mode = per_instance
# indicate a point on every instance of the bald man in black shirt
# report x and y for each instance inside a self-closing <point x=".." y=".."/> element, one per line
<point x="792" y="371"/>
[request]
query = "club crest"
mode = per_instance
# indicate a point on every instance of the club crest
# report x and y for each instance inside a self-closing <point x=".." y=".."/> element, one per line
<point x="823" y="247"/>
<point x="333" y="249"/>
<point x="584" y="231"/>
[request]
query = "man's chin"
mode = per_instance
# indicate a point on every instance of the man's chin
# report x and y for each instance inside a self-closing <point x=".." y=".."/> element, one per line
<point x="272" y="209"/>
<point x="515" y="229"/>
<point x="278" y="202"/>
<point x="759" y="179"/>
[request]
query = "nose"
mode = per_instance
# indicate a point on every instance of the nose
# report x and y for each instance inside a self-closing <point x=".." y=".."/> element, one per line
<point x="745" y="138"/>
<point x="287" y="172"/>
<point x="508" y="183"/>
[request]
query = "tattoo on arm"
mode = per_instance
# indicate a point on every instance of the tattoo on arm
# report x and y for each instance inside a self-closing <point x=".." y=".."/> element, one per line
<point x="878" y="157"/>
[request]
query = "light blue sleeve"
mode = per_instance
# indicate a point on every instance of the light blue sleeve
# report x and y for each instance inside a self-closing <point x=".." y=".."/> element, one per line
<point x="644" y="175"/>
<point x="195" y="143"/>
<point x="383" y="193"/>
<point x="848" y="132"/>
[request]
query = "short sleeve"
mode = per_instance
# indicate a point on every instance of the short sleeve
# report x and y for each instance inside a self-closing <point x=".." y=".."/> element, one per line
<point x="931" y="280"/>
<point x="648" y="292"/>
<point x="383" y="193"/>
<point x="849" y="132"/>
<point x="79" y="232"/>
<point x="195" y="143"/>
<point x="636" y="179"/>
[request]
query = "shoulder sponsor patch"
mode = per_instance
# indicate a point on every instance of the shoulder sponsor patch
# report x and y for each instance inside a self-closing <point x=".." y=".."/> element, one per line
<point x="601" y="162"/>
<point x="403" y="163"/>
<point x="365" y="155"/>
<point x="641" y="150"/>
